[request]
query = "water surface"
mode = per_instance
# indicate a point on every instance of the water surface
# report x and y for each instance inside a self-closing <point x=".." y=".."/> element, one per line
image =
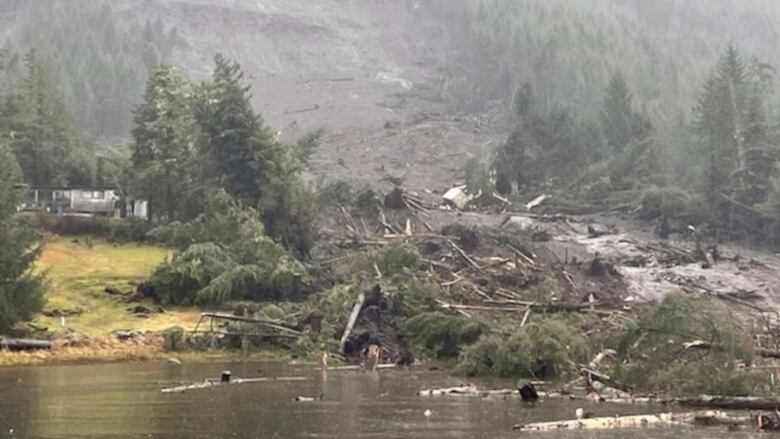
<point x="123" y="401"/>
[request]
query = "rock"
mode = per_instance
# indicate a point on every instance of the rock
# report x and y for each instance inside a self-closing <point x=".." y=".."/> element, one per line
<point x="71" y="338"/>
<point x="124" y="335"/>
<point x="114" y="291"/>
<point x="134" y="298"/>
<point x="145" y="310"/>
<point x="66" y="312"/>
<point x="596" y="230"/>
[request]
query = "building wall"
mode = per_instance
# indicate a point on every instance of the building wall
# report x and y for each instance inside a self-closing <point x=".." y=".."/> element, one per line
<point x="92" y="201"/>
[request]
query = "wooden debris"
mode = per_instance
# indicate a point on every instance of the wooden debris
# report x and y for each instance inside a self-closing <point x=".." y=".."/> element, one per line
<point x="352" y="320"/>
<point x="637" y="421"/>
<point x="467" y="390"/>
<point x="360" y="367"/>
<point x="536" y="202"/>
<point x="464" y="255"/>
<point x="208" y="383"/>
<point x="280" y="329"/>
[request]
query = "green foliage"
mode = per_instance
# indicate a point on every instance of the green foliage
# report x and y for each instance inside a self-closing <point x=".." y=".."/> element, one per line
<point x="397" y="257"/>
<point x="163" y="133"/>
<point x="621" y="124"/>
<point x="21" y="289"/>
<point x="98" y="59"/>
<point x="40" y="132"/>
<point x="477" y="177"/>
<point x="410" y="297"/>
<point x="542" y="349"/>
<point x="226" y="256"/>
<point x="652" y="355"/>
<point x="543" y="148"/>
<point x="334" y="305"/>
<point x="672" y="202"/>
<point x="189" y="143"/>
<point x="442" y="335"/>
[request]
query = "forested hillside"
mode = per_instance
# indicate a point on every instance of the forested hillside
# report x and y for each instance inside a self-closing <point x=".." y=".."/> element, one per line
<point x="469" y="52"/>
<point x="569" y="50"/>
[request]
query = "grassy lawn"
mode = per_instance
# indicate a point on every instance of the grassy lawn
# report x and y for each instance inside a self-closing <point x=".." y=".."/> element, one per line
<point x="78" y="273"/>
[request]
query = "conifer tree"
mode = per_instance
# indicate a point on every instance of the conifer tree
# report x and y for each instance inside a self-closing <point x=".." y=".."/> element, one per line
<point x="21" y="290"/>
<point x="163" y="135"/>
<point x="237" y="150"/>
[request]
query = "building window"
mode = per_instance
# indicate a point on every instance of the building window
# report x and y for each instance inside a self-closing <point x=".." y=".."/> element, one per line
<point x="93" y="195"/>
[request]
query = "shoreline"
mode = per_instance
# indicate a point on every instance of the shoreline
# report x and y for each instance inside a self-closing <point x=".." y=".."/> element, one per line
<point x="109" y="350"/>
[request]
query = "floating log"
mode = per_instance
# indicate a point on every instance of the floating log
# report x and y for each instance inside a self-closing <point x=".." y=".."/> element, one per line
<point x="468" y="390"/>
<point x="706" y="401"/>
<point x="23" y="344"/>
<point x="359" y="367"/>
<point x="638" y="421"/>
<point x="219" y="382"/>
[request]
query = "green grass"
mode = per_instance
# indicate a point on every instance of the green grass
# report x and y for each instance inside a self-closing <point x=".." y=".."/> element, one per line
<point x="78" y="274"/>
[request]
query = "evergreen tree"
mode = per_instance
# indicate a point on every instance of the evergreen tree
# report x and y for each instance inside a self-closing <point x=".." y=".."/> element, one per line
<point x="41" y="133"/>
<point x="739" y="158"/>
<point x="237" y="151"/>
<point x="620" y="123"/>
<point x="163" y="134"/>
<point x="21" y="290"/>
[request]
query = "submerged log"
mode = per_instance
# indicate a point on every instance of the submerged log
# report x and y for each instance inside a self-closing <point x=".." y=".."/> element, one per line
<point x="638" y="421"/>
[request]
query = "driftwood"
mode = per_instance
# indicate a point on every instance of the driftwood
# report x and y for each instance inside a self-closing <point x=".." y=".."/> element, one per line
<point x="638" y="421"/>
<point x="219" y="382"/>
<point x="706" y="401"/>
<point x="352" y="320"/>
<point x="468" y="390"/>
<point x="358" y="367"/>
<point x="21" y="344"/>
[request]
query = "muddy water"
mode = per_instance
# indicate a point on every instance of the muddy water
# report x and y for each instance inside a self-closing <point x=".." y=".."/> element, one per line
<point x="123" y="401"/>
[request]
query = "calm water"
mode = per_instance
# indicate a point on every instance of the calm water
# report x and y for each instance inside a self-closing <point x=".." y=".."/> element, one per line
<point x="123" y="401"/>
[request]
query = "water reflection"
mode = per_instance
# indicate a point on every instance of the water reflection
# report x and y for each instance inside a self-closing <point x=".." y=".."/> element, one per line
<point x="123" y="401"/>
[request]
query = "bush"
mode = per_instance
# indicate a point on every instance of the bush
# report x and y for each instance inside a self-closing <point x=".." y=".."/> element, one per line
<point x="230" y="258"/>
<point x="539" y="350"/>
<point x="441" y="335"/>
<point x="397" y="257"/>
<point x="477" y="177"/>
<point x="112" y="229"/>
<point x="673" y="203"/>
<point x="410" y="297"/>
